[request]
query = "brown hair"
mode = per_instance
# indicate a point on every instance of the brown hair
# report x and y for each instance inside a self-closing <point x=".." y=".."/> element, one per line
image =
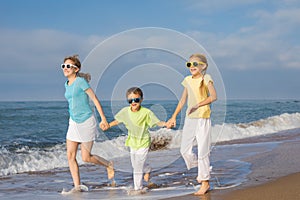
<point x="76" y="61"/>
<point x="202" y="58"/>
<point x="134" y="90"/>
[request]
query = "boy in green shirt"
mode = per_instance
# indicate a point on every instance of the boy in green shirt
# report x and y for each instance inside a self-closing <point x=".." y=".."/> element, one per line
<point x="137" y="119"/>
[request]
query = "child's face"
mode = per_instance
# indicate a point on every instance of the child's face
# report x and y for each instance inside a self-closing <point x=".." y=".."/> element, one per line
<point x="135" y="101"/>
<point x="198" y="69"/>
<point x="69" y="71"/>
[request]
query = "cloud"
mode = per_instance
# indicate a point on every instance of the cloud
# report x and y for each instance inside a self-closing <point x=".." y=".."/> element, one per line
<point x="40" y="49"/>
<point x="272" y="41"/>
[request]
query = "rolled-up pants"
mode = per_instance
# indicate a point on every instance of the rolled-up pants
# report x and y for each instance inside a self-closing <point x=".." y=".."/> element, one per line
<point x="197" y="129"/>
<point x="138" y="158"/>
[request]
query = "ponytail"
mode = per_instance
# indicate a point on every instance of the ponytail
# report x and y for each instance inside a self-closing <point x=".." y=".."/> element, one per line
<point x="86" y="76"/>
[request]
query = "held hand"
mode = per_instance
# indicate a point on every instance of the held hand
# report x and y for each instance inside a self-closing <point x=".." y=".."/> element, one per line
<point x="104" y="125"/>
<point x="171" y="123"/>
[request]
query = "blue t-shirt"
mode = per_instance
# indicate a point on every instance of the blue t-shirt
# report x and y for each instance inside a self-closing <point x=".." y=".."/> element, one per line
<point x="79" y="107"/>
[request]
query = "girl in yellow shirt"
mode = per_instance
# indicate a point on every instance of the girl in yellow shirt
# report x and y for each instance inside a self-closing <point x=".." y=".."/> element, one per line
<point x="200" y="92"/>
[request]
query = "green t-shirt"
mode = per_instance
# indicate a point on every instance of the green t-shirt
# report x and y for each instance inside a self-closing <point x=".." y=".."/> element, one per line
<point x="137" y="124"/>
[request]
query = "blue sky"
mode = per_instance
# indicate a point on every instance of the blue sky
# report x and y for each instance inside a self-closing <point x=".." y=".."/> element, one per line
<point x="255" y="44"/>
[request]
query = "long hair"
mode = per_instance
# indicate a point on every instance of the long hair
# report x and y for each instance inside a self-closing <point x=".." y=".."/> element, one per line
<point x="76" y="61"/>
<point x="202" y="58"/>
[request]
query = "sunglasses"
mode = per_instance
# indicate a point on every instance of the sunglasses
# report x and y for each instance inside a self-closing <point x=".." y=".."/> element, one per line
<point x="68" y="66"/>
<point x="195" y="64"/>
<point x="135" y="100"/>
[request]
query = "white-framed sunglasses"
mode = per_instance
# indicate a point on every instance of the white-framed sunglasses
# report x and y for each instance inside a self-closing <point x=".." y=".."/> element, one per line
<point x="68" y="66"/>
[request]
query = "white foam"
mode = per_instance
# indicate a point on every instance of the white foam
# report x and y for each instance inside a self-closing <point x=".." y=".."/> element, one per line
<point x="261" y="127"/>
<point x="25" y="159"/>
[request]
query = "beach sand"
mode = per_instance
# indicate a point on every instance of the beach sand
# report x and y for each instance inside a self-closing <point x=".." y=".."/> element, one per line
<point x="275" y="174"/>
<point x="287" y="187"/>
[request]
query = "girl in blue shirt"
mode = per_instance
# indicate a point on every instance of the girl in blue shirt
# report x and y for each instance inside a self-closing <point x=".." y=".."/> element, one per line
<point x="82" y="123"/>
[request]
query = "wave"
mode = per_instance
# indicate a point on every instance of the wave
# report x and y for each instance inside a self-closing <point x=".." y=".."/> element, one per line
<point x="269" y="125"/>
<point x="38" y="159"/>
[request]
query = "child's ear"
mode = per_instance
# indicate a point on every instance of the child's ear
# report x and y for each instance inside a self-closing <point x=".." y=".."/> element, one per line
<point x="204" y="68"/>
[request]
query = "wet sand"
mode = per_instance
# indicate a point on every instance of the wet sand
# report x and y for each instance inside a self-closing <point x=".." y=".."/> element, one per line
<point x="275" y="174"/>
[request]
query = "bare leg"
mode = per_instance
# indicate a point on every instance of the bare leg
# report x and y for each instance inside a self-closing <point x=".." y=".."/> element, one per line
<point x="204" y="188"/>
<point x="147" y="177"/>
<point x="86" y="148"/>
<point x="72" y="148"/>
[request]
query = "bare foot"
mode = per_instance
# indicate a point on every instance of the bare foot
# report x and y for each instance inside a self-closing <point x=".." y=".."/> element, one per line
<point x="203" y="189"/>
<point x="113" y="183"/>
<point x="110" y="170"/>
<point x="152" y="185"/>
<point x="147" y="177"/>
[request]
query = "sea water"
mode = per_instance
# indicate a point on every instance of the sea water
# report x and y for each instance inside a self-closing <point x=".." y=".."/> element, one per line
<point x="32" y="145"/>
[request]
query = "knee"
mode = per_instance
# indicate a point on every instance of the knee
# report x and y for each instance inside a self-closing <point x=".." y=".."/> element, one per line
<point x="71" y="156"/>
<point x="86" y="158"/>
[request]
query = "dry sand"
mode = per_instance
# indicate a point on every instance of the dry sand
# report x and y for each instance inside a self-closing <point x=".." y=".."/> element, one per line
<point x="287" y="187"/>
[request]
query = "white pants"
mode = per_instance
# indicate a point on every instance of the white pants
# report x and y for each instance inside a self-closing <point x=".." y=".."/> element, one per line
<point x="138" y="159"/>
<point x="198" y="129"/>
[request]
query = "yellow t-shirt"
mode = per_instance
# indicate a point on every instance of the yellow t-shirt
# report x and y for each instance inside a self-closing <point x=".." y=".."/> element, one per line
<point x="194" y="96"/>
<point x="137" y="124"/>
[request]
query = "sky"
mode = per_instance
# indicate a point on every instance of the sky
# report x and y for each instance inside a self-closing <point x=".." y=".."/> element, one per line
<point x="254" y="44"/>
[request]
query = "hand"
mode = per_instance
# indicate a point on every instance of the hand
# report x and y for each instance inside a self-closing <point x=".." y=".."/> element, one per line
<point x="104" y="125"/>
<point x="171" y="123"/>
<point x="193" y="109"/>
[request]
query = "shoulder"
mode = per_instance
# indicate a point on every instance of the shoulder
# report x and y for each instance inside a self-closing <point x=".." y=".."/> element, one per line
<point x="122" y="112"/>
<point x="81" y="80"/>
<point x="208" y="78"/>
<point x="186" y="80"/>
<point x="82" y="83"/>
<point x="125" y="109"/>
<point x="145" y="110"/>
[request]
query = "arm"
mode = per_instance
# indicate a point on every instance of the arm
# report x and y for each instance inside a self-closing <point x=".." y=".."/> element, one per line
<point x="113" y="123"/>
<point x="172" y="121"/>
<point x="161" y="124"/>
<point x="93" y="97"/>
<point x="211" y="98"/>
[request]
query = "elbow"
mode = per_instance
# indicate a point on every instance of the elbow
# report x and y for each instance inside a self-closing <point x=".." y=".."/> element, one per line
<point x="214" y="98"/>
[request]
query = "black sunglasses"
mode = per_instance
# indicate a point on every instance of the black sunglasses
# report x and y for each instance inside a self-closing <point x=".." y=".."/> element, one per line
<point x="136" y="100"/>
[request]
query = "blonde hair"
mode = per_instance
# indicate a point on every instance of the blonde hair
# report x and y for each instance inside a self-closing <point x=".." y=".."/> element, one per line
<point x="76" y="61"/>
<point x="202" y="58"/>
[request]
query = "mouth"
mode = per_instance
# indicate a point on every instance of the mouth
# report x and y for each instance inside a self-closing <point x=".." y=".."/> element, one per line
<point x="193" y="69"/>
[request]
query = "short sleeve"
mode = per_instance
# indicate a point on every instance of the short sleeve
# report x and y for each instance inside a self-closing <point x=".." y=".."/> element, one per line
<point x="207" y="79"/>
<point x="184" y="83"/>
<point x="152" y="119"/>
<point x="84" y="85"/>
<point x="120" y="116"/>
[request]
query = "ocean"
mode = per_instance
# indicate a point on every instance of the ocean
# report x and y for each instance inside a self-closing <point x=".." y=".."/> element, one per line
<point x="33" y="162"/>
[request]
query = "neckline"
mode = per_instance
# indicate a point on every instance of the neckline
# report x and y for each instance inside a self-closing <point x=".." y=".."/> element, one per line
<point x="72" y="82"/>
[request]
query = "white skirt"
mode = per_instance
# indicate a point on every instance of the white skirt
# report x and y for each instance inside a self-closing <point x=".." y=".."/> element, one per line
<point x="82" y="132"/>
